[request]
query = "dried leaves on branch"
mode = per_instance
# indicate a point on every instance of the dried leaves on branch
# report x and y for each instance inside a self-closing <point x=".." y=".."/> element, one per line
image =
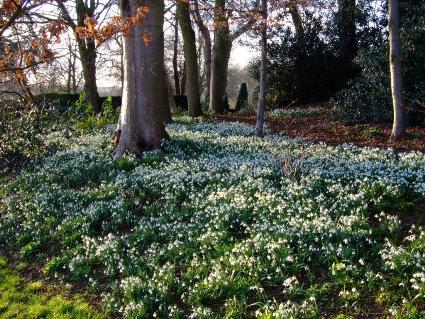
<point x="116" y="25"/>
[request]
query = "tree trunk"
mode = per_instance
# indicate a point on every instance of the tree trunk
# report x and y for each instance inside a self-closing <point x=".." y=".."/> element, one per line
<point x="296" y="19"/>
<point x="26" y="90"/>
<point x="69" y="75"/>
<point x="74" y="75"/>
<point x="171" y="101"/>
<point x="190" y="58"/>
<point x="207" y="47"/>
<point x="183" y="80"/>
<point x="347" y="35"/>
<point x="220" y="58"/>
<point x="219" y="70"/>
<point x="262" y="97"/>
<point x="399" y="121"/>
<point x="87" y="49"/>
<point x="175" y="57"/>
<point x="167" y="100"/>
<point x="141" y="124"/>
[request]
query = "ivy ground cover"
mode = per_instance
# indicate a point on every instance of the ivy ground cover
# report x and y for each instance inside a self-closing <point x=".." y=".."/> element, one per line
<point x="224" y="225"/>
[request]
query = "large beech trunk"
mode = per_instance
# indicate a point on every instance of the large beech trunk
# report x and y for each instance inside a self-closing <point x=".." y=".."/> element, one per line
<point x="259" y="127"/>
<point x="220" y="58"/>
<point x="190" y="57"/>
<point x="399" y="121"/>
<point x="145" y="94"/>
<point x="219" y="69"/>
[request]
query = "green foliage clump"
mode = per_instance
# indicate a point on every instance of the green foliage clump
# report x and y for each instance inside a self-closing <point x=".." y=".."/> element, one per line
<point x="21" y="134"/>
<point x="371" y="132"/>
<point x="367" y="99"/>
<point x="296" y="112"/>
<point x="87" y="120"/>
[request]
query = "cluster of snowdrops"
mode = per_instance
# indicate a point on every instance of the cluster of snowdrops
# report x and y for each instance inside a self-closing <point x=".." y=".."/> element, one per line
<point x="220" y="224"/>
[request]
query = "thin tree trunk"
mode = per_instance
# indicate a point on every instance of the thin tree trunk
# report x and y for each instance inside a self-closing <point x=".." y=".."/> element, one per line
<point x="183" y="80"/>
<point x="74" y="71"/>
<point x="166" y="100"/>
<point x="141" y="122"/>
<point x="69" y="75"/>
<point x="399" y="121"/>
<point x="175" y="57"/>
<point x="259" y="128"/>
<point x="86" y="48"/>
<point x="88" y="63"/>
<point x="190" y="58"/>
<point x="296" y="19"/>
<point x="28" y="96"/>
<point x="171" y="101"/>
<point x="207" y="47"/>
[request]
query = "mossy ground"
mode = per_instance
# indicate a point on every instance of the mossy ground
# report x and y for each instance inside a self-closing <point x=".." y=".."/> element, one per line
<point x="20" y="299"/>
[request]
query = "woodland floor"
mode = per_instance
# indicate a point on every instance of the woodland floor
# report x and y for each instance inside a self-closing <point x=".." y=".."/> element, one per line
<point x="321" y="128"/>
<point x="218" y="224"/>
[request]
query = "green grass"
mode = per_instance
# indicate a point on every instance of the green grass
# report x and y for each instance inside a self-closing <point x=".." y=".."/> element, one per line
<point x="20" y="299"/>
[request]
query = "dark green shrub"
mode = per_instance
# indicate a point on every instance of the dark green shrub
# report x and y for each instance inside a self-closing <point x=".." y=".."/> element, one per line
<point x="226" y="103"/>
<point x="61" y="101"/>
<point x="307" y="68"/>
<point x="242" y="99"/>
<point x="21" y="128"/>
<point x="367" y="99"/>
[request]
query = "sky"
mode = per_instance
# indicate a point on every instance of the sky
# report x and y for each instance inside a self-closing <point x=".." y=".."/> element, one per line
<point x="242" y="55"/>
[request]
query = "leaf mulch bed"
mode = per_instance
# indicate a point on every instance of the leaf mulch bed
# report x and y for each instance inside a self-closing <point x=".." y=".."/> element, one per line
<point x="321" y="129"/>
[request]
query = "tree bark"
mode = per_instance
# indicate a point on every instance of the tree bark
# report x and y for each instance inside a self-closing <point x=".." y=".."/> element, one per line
<point x="175" y="57"/>
<point x="399" y="121"/>
<point x="86" y="48"/>
<point x="166" y="105"/>
<point x="207" y="47"/>
<point x="259" y="127"/>
<point x="221" y="54"/>
<point x="183" y="80"/>
<point x="171" y="101"/>
<point x="220" y="58"/>
<point x="141" y="125"/>
<point x="190" y="58"/>
<point x="296" y="19"/>
<point x="347" y="33"/>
